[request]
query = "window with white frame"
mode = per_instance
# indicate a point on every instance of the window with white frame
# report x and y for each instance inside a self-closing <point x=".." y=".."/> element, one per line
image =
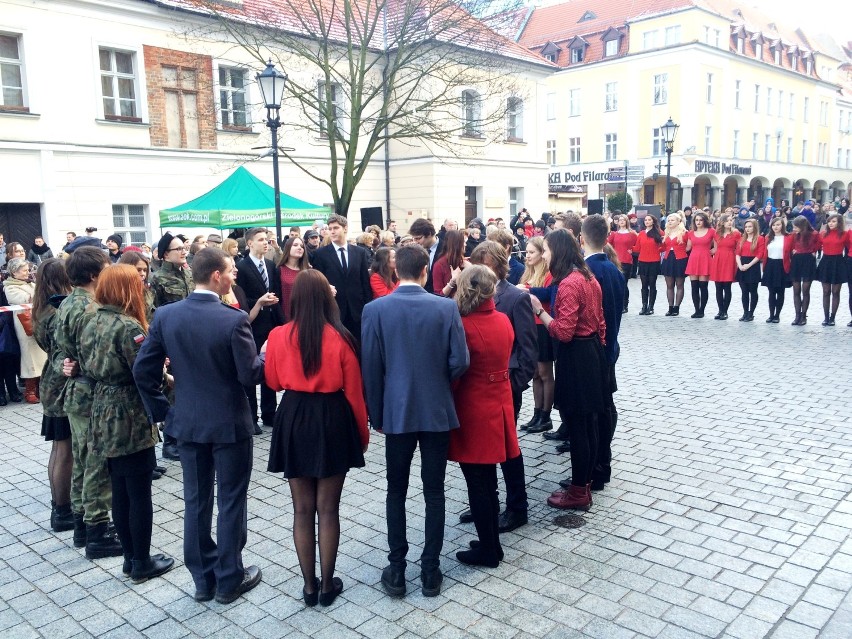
<point x="766" y="147"/>
<point x="777" y="148"/>
<point x="551" y="106"/>
<point x="708" y="139"/>
<point x="516" y="199"/>
<point x="777" y="55"/>
<point x="11" y="72"/>
<point x="823" y="113"/>
<point x="128" y="220"/>
<point x="709" y="88"/>
<point x="736" y="150"/>
<point x="804" y="151"/>
<point x="611" y="146"/>
<point x="611" y="100"/>
<point x="649" y="40"/>
<point x="611" y="48"/>
<point x="780" y="103"/>
<point x="661" y="88"/>
<point x="551" y="152"/>
<point x="756" y="98"/>
<point x="574" y="150"/>
<point x="768" y="100"/>
<point x="672" y="35"/>
<point x="737" y="94"/>
<point x="848" y="159"/>
<point x="754" y="137"/>
<point x="840" y="120"/>
<point x="330" y="106"/>
<point x="839" y="158"/>
<point x="791" y="108"/>
<point x="805" y="109"/>
<point x="717" y="36"/>
<point x="658" y="142"/>
<point x="573" y="102"/>
<point x="809" y="65"/>
<point x="514" y="119"/>
<point x="789" y="149"/>
<point x="578" y="54"/>
<point x="740" y="43"/>
<point x="758" y="50"/>
<point x="118" y="84"/>
<point x="232" y="97"/>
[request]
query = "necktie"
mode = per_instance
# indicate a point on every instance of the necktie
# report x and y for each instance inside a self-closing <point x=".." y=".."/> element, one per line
<point x="263" y="275"/>
<point x="343" y="258"/>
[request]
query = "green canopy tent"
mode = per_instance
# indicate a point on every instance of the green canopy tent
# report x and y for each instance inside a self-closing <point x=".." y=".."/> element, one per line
<point x="241" y="201"/>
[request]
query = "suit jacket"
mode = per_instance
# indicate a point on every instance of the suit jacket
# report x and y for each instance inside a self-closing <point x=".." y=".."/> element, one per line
<point x="353" y="286"/>
<point x="213" y="355"/>
<point x="412" y="347"/>
<point x="612" y="284"/>
<point x="515" y="303"/>
<point x="250" y="280"/>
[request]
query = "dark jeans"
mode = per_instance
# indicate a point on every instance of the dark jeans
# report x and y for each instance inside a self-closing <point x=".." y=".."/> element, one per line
<point x="513" y="471"/>
<point x="399" y="451"/>
<point x="481" y="482"/>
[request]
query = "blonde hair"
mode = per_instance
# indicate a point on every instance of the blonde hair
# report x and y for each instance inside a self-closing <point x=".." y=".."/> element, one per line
<point x="387" y="238"/>
<point x="365" y="239"/>
<point x="534" y="275"/>
<point x="476" y="284"/>
<point x="227" y="244"/>
<point x="680" y="229"/>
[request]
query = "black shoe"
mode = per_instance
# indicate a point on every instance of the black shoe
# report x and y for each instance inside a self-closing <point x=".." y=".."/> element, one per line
<point x="831" y="321"/>
<point x="267" y="422"/>
<point x="670" y="312"/>
<point x="100" y="543"/>
<point x="697" y="315"/>
<point x="717" y="316"/>
<point x="744" y="318"/>
<point x="598" y="484"/>
<point x="393" y="581"/>
<point x="750" y="317"/>
<point x="475" y="543"/>
<point x="327" y="598"/>
<point x="650" y="310"/>
<point x="79" y="531"/>
<point x="3" y="400"/>
<point x="564" y="447"/>
<point x="541" y="427"/>
<point x="430" y="582"/>
<point x="535" y="419"/>
<point x="251" y="577"/>
<point x="170" y="451"/>
<point x="676" y="311"/>
<point x="257" y="429"/>
<point x="776" y="320"/>
<point x="509" y="520"/>
<point x="155" y="475"/>
<point x="565" y="483"/>
<point x="16" y="397"/>
<point x="545" y="422"/>
<point x="849" y="325"/>
<point x="160" y="469"/>
<point x="127" y="567"/>
<point x="555" y="436"/>
<point x="803" y="321"/>
<point x="466" y="517"/>
<point x="61" y="518"/>
<point x="644" y="310"/>
<point x="723" y="316"/>
<point x="624" y="310"/>
<point x="145" y="569"/>
<point x="203" y="595"/>
<point x="771" y="318"/>
<point x="477" y="558"/>
<point x="311" y="598"/>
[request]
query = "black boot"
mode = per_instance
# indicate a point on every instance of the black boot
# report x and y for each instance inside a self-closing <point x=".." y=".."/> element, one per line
<point x="3" y="400"/>
<point x="652" y="297"/>
<point x="534" y="421"/>
<point x="145" y="569"/>
<point x="644" y="310"/>
<point x="100" y="543"/>
<point x="544" y="420"/>
<point x="670" y="312"/>
<point x="79" y="531"/>
<point x="676" y="310"/>
<point x="61" y="518"/>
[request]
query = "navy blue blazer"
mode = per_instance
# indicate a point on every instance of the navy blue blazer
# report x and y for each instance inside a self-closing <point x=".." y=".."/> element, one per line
<point x="612" y="282"/>
<point x="412" y="347"/>
<point x="515" y="303"/>
<point x="213" y="355"/>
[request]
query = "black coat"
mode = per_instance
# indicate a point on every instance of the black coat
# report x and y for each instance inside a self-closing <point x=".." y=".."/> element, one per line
<point x="249" y="279"/>
<point x="353" y="286"/>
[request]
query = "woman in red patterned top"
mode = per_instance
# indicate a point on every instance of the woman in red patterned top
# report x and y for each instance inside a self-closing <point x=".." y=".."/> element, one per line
<point x="383" y="278"/>
<point x="806" y="244"/>
<point x="582" y="373"/>
<point x="294" y="260"/>
<point x="832" y="266"/>
<point x="623" y="240"/>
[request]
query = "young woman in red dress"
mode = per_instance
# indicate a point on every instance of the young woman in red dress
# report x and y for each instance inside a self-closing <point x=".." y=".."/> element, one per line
<point x="449" y="265"/>
<point x="649" y="245"/>
<point x="294" y="260"/>
<point x="751" y="251"/>
<point x="623" y="239"/>
<point x="806" y="244"/>
<point x="723" y="267"/>
<point x="699" y="244"/>
<point x="483" y="400"/>
<point x="383" y="278"/>
<point x="776" y="267"/>
<point x="832" y="267"/>
<point x="674" y="261"/>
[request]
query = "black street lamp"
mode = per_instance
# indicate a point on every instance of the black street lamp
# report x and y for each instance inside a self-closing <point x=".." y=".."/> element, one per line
<point x="271" y="83"/>
<point x="669" y="133"/>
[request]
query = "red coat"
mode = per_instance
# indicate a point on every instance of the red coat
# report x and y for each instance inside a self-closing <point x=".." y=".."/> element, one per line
<point x="483" y="395"/>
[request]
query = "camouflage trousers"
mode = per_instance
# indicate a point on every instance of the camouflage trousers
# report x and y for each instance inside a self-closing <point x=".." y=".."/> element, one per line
<point x="91" y="490"/>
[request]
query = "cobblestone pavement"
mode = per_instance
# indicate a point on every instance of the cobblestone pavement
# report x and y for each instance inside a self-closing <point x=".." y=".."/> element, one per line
<point x="729" y="515"/>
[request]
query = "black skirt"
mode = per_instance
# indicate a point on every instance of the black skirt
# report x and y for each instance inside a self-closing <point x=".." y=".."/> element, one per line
<point x="314" y="435"/>
<point x="832" y="269"/>
<point x="582" y="376"/>
<point x="545" y="344"/>
<point x="141" y="462"/>
<point x="649" y="269"/>
<point x="803" y="267"/>
<point x="752" y="275"/>
<point x="774" y="275"/>
<point x="55" y="429"/>
<point x="673" y="267"/>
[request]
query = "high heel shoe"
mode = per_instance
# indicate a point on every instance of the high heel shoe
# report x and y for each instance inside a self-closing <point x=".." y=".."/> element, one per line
<point x="311" y="598"/>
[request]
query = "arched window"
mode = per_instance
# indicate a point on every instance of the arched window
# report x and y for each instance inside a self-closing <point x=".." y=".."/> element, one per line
<point x="471" y="113"/>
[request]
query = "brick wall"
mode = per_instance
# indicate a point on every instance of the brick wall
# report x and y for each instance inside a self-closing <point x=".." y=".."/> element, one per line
<point x="155" y="59"/>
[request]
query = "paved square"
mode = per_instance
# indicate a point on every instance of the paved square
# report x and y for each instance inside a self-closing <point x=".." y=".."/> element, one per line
<point x="729" y="515"/>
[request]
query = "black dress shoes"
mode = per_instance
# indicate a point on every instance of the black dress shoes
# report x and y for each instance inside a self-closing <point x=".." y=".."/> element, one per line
<point x="477" y="558"/>
<point x="509" y="520"/>
<point x="203" y="595"/>
<point x="145" y="569"/>
<point x="430" y="581"/>
<point x="170" y="451"/>
<point x="393" y="581"/>
<point x="327" y="598"/>
<point x="475" y="544"/>
<point x="555" y="436"/>
<point x="257" y="429"/>
<point x="541" y="427"/>
<point x="466" y="517"/>
<point x="311" y="598"/>
<point x="251" y="577"/>
<point x="564" y="447"/>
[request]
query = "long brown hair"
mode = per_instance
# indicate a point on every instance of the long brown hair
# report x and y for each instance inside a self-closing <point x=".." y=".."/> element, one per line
<point x="565" y="255"/>
<point x="754" y="236"/>
<point x="119" y="285"/>
<point x="381" y="266"/>
<point x="840" y="228"/>
<point x="304" y="263"/>
<point x="312" y="306"/>
<point x="51" y="279"/>
<point x="454" y="242"/>
<point x="771" y="234"/>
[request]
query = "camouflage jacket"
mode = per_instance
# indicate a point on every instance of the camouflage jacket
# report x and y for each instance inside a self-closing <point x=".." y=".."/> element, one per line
<point x="72" y="316"/>
<point x="108" y="347"/>
<point x="52" y="385"/>
<point x="171" y="284"/>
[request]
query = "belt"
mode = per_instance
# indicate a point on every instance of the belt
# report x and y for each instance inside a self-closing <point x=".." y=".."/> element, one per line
<point x="88" y="381"/>
<point x="497" y="376"/>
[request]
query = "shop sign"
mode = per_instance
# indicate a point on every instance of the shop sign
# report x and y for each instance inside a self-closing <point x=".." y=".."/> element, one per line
<point x="579" y="189"/>
<point x="716" y="166"/>
<point x="567" y="177"/>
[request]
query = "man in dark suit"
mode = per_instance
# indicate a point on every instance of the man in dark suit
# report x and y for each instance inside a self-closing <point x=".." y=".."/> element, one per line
<point x="412" y="347"/>
<point x="345" y="268"/>
<point x="213" y="355"/>
<point x="423" y="233"/>
<point x="515" y="304"/>
<point x="258" y="276"/>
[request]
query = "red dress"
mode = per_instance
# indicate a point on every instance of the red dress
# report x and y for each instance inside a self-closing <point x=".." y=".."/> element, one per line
<point x="700" y="258"/>
<point x="483" y="395"/>
<point x="723" y="267"/>
<point x="288" y="279"/>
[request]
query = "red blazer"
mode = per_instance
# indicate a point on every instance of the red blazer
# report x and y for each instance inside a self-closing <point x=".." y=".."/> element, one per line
<point x="788" y="252"/>
<point x="380" y="289"/>
<point x="648" y="249"/>
<point x="813" y="246"/>
<point x="483" y="395"/>
<point x="672" y="244"/>
<point x="339" y="370"/>
<point x="744" y="248"/>
<point x="832" y="244"/>
<point x="623" y="245"/>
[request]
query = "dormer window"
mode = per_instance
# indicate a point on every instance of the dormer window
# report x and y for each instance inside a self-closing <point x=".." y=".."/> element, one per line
<point x="577" y="47"/>
<point x="757" y="41"/>
<point x="611" y="40"/>
<point x="740" y="44"/>
<point x="777" y="53"/>
<point x="550" y="52"/>
<point x="589" y="15"/>
<point x="809" y="66"/>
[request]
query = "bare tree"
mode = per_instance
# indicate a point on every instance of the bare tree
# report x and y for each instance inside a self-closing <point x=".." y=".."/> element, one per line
<point x="426" y="73"/>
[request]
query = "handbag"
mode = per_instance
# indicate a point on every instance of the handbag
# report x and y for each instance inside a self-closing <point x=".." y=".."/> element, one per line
<point x="26" y="319"/>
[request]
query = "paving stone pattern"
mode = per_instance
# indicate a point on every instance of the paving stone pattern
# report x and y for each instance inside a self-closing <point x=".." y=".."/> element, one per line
<point x="729" y="515"/>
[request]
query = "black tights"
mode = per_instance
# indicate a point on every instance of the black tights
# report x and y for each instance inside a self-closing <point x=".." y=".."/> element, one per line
<point x="700" y="294"/>
<point x="626" y="270"/>
<point x="831" y="299"/>
<point x="649" y="290"/>
<point x="312" y="499"/>
<point x="133" y="513"/>
<point x="723" y="296"/>
<point x="583" y="434"/>
<point x="801" y="298"/>
<point x="59" y="471"/>
<point x="749" y="296"/>
<point x="776" y="301"/>
<point x="673" y="283"/>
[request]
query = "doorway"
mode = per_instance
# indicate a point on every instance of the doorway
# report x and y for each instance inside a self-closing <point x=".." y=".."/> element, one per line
<point x="470" y="204"/>
<point x="20" y="223"/>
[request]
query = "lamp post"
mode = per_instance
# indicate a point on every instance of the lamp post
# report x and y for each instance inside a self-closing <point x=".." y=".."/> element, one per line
<point x="271" y="82"/>
<point x="669" y="133"/>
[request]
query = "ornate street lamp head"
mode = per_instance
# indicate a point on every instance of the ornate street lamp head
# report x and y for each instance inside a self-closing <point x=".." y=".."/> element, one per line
<point x="669" y="130"/>
<point x="271" y="82"/>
